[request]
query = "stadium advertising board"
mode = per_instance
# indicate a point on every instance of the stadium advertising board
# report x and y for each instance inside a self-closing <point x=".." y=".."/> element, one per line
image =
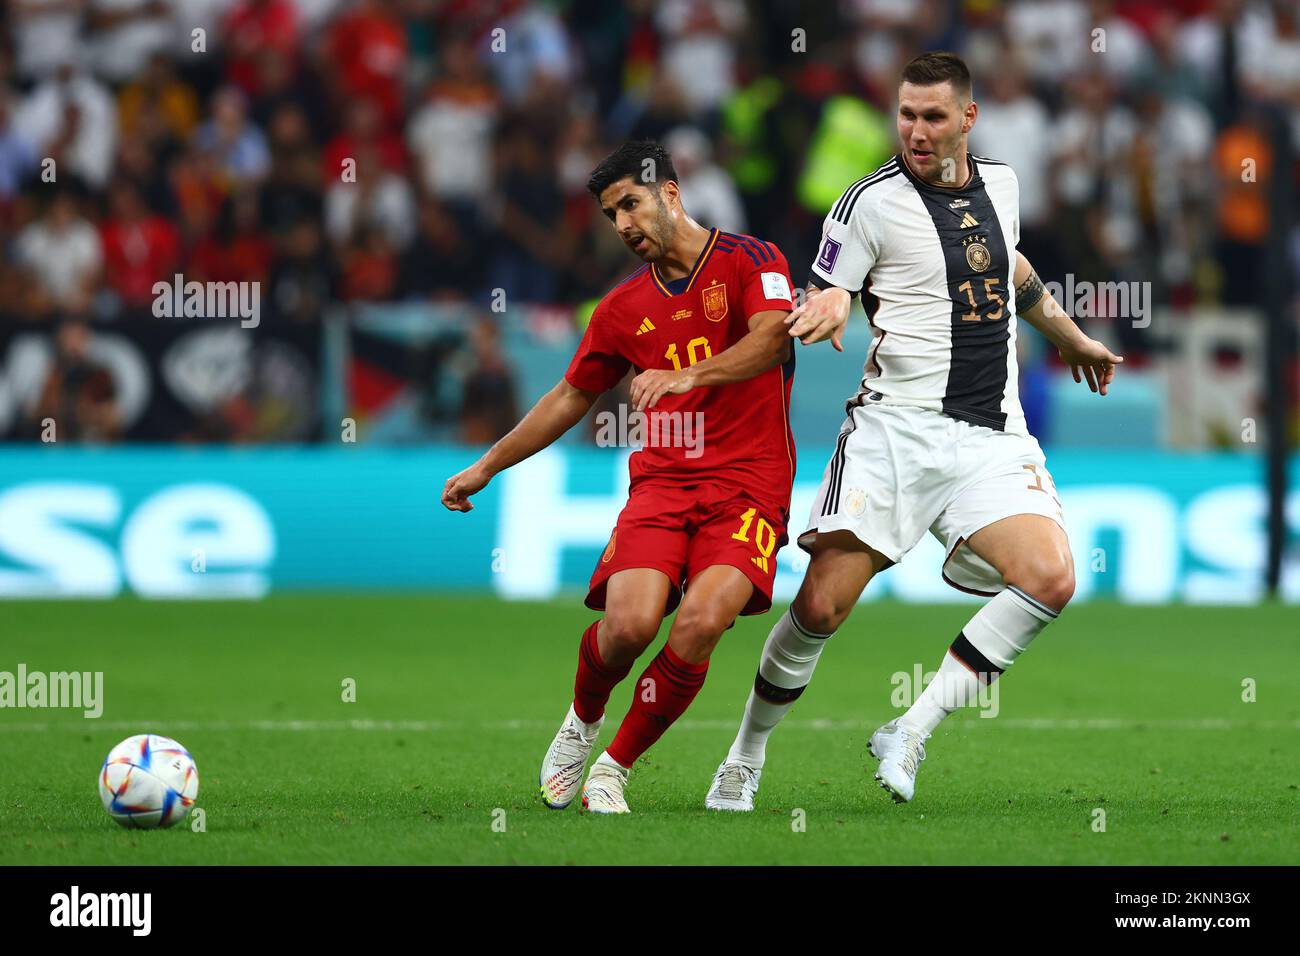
<point x="238" y="523"/>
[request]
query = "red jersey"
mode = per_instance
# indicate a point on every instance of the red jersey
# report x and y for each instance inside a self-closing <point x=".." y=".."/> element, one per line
<point x="646" y="322"/>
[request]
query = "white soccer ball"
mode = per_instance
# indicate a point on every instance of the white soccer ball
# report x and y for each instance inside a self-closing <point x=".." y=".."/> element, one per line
<point x="148" y="782"/>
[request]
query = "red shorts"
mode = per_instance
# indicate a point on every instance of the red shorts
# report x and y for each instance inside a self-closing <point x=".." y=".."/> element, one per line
<point x="683" y="530"/>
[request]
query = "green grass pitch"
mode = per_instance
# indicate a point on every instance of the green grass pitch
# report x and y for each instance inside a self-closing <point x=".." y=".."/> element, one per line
<point x="1134" y="711"/>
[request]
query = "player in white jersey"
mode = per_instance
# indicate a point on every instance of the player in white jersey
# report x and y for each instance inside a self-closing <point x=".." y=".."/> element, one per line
<point x="935" y="437"/>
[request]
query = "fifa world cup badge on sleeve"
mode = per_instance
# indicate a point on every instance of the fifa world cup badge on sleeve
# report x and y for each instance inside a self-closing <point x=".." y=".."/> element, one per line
<point x="830" y="252"/>
<point x="775" y="286"/>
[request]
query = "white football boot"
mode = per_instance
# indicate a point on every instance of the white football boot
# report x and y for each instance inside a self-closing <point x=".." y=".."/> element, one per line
<point x="565" y="760"/>
<point x="733" y="788"/>
<point x="900" y="751"/>
<point x="603" y="791"/>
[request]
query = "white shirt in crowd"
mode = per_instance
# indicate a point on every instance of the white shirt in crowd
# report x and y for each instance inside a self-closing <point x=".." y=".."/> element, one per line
<point x="1019" y="132"/>
<point x="41" y="116"/>
<point x="121" y="52"/>
<point x="61" y="260"/>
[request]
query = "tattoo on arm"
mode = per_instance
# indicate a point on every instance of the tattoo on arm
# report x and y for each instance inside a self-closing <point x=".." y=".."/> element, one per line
<point x="1029" y="292"/>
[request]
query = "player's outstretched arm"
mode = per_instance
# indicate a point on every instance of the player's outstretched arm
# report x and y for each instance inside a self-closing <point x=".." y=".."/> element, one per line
<point x="1084" y="355"/>
<point x="823" y="315"/>
<point x="558" y="410"/>
<point x="765" y="345"/>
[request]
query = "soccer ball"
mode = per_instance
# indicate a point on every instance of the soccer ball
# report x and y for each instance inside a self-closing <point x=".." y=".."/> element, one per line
<point x="148" y="782"/>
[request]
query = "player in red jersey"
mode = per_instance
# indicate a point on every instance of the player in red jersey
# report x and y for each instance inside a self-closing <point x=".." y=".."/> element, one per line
<point x="702" y="322"/>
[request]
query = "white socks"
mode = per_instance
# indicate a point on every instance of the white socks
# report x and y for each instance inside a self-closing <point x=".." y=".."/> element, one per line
<point x="609" y="761"/>
<point x="1003" y="628"/>
<point x="587" y="730"/>
<point x="789" y="658"/>
<point x="997" y="634"/>
<point x="955" y="685"/>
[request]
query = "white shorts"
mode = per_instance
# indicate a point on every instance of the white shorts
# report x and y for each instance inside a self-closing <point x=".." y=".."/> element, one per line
<point x="899" y="470"/>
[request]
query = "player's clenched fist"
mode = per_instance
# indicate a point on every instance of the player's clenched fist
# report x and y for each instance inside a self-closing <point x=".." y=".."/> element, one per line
<point x="823" y="315"/>
<point x="455" y="494"/>
<point x="654" y="383"/>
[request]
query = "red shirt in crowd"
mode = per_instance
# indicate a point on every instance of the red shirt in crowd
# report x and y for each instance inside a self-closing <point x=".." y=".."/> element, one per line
<point x="138" y="254"/>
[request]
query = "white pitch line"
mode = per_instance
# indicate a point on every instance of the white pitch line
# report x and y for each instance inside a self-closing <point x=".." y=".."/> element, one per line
<point x="436" y="726"/>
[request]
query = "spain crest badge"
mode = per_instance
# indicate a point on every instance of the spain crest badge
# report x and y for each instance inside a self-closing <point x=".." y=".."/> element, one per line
<point x="715" y="302"/>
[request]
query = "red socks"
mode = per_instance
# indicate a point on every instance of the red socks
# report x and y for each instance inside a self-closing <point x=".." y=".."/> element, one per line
<point x="663" y="692"/>
<point x="595" y="681"/>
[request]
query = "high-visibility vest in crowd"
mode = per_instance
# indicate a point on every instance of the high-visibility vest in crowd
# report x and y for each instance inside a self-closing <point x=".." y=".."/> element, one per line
<point x="752" y="166"/>
<point x="851" y="140"/>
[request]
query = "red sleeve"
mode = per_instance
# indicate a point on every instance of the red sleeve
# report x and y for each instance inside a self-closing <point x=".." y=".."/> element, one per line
<point x="765" y="285"/>
<point x="597" y="366"/>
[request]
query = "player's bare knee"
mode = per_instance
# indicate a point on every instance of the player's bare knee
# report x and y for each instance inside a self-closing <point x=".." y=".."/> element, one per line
<point x="1062" y="589"/>
<point x="1050" y="582"/>
<point x="628" y="634"/>
<point x="696" y="631"/>
<point x="819" y="613"/>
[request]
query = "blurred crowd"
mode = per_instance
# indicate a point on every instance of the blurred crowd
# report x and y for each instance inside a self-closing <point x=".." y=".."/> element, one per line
<point x="438" y="150"/>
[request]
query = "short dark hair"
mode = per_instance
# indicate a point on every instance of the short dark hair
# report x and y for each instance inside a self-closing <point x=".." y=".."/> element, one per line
<point x="643" y="159"/>
<point x="939" y="67"/>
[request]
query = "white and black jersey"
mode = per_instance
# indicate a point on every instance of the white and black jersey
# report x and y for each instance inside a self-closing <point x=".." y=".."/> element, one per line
<point x="939" y="263"/>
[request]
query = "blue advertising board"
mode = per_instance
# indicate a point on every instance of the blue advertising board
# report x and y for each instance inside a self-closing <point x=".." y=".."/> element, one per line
<point x="1145" y="527"/>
